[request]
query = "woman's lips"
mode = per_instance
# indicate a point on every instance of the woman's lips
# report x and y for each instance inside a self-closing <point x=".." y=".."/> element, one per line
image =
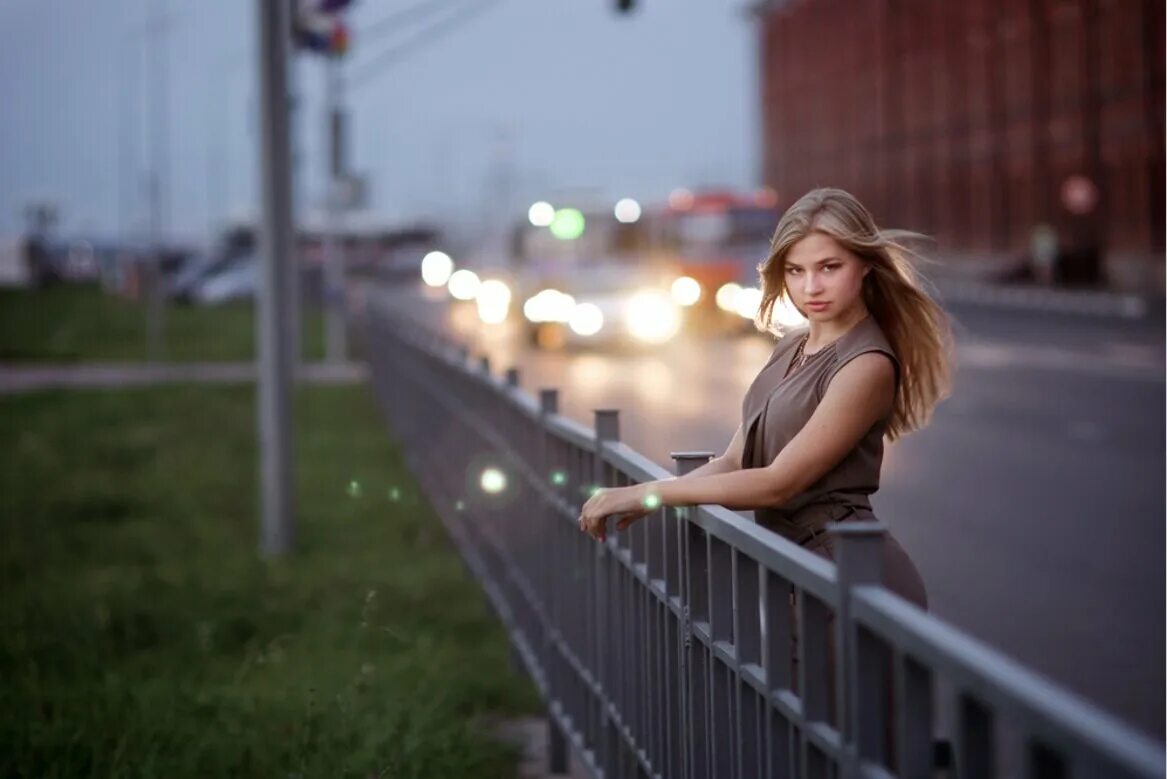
<point x="819" y="306"/>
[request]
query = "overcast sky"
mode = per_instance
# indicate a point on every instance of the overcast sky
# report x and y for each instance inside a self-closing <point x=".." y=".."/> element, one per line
<point x="551" y="95"/>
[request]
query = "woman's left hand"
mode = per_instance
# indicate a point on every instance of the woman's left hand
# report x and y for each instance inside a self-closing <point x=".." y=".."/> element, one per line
<point x="607" y="502"/>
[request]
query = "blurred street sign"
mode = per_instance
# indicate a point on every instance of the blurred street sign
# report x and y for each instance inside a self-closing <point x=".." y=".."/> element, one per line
<point x="351" y="191"/>
<point x="318" y="27"/>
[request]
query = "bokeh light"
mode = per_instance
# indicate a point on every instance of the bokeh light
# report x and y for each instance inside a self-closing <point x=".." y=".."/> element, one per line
<point x="785" y="314"/>
<point x="494" y="300"/>
<point x="464" y="284"/>
<point x="652" y="317"/>
<point x="436" y="268"/>
<point x="493" y="481"/>
<point x="586" y="319"/>
<point x="681" y="199"/>
<point x="627" y="211"/>
<point x="686" y="291"/>
<point x="748" y="301"/>
<point x="541" y="214"/>
<point x="568" y="224"/>
<point x="727" y="296"/>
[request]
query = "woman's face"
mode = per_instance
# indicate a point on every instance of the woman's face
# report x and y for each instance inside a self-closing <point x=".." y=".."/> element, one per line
<point x="823" y="278"/>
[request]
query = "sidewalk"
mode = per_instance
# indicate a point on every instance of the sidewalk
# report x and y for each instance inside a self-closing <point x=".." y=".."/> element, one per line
<point x="976" y="279"/>
<point x="25" y="377"/>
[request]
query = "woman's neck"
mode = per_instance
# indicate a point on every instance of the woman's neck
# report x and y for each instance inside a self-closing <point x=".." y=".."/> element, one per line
<point x="823" y="333"/>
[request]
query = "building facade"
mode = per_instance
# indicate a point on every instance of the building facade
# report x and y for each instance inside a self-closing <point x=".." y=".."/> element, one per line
<point x="976" y="121"/>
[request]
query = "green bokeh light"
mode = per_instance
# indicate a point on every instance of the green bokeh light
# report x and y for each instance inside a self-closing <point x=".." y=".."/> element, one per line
<point x="558" y="478"/>
<point x="354" y="489"/>
<point x="652" y="502"/>
<point x="568" y="224"/>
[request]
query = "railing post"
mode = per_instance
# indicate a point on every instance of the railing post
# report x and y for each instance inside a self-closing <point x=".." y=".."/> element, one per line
<point x="607" y="429"/>
<point x="859" y="561"/>
<point x="556" y="748"/>
<point x="557" y="740"/>
<point x="512" y="377"/>
<point x="684" y="463"/>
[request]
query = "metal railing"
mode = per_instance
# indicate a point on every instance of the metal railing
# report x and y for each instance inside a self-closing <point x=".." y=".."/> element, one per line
<point x="698" y="644"/>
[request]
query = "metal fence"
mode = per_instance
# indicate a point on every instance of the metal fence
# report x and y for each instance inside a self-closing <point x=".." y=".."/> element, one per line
<point x="698" y="644"/>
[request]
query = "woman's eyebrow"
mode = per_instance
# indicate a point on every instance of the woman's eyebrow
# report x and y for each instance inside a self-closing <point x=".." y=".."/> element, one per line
<point x="823" y="261"/>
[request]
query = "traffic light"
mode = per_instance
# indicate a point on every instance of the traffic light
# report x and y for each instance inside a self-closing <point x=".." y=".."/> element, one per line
<point x="317" y="26"/>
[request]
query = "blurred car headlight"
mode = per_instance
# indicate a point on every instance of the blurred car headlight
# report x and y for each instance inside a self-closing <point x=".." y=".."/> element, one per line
<point x="686" y="291"/>
<point x="586" y="319"/>
<point x="549" y="305"/>
<point x="493" y="293"/>
<point x="464" y="284"/>
<point x="786" y="314"/>
<point x="748" y="301"/>
<point x="727" y="297"/>
<point x="436" y="269"/>
<point x="652" y="317"/>
<point x="494" y="300"/>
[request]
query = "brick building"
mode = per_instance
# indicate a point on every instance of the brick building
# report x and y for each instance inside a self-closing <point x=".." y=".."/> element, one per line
<point x="976" y="120"/>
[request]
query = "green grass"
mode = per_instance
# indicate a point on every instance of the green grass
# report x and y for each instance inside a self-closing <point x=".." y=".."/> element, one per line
<point x="141" y="635"/>
<point x="79" y="323"/>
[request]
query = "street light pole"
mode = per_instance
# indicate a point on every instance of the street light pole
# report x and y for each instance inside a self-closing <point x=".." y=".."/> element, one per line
<point x="275" y="363"/>
<point x="159" y="185"/>
<point x="333" y="247"/>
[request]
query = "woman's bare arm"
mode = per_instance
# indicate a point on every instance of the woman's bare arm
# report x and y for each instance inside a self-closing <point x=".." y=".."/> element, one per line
<point x="860" y="394"/>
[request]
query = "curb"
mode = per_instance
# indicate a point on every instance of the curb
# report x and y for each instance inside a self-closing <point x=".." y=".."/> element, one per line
<point x="17" y="378"/>
<point x="1081" y="302"/>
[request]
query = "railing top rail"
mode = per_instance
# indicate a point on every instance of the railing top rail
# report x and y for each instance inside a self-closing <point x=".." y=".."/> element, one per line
<point x="1065" y="719"/>
<point x="571" y="431"/>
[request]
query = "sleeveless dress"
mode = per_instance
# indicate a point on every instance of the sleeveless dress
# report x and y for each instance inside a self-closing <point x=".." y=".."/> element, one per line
<point x="775" y="409"/>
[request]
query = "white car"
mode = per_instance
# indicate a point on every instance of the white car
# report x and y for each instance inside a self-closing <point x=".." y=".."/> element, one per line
<point x="606" y="305"/>
<point x="239" y="282"/>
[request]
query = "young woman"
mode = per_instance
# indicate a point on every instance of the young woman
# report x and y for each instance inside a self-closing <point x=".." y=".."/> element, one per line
<point x="873" y="360"/>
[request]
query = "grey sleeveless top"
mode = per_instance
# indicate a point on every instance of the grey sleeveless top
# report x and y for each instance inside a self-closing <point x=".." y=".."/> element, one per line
<point x="776" y="407"/>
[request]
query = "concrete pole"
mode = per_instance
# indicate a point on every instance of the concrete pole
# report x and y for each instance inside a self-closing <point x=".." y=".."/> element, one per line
<point x="336" y="346"/>
<point x="276" y="252"/>
<point x="159" y="185"/>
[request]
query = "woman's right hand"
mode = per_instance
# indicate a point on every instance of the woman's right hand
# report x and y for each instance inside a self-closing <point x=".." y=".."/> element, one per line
<point x="634" y="516"/>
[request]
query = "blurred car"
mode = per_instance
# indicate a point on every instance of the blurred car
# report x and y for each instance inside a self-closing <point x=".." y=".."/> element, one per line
<point x="616" y="305"/>
<point x="196" y="270"/>
<point x="238" y="281"/>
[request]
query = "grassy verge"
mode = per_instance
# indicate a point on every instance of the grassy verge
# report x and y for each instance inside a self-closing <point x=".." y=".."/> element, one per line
<point x="79" y="323"/>
<point x="140" y="635"/>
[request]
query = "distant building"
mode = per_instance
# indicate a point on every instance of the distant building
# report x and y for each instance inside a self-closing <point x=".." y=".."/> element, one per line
<point x="977" y="121"/>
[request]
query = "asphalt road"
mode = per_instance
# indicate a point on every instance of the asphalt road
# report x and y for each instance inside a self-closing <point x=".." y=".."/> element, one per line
<point x="1033" y="504"/>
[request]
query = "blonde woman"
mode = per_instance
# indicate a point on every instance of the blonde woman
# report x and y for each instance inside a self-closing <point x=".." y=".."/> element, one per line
<point x="873" y="360"/>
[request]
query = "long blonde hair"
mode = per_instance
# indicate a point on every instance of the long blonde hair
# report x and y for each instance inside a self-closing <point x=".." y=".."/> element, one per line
<point x="915" y="326"/>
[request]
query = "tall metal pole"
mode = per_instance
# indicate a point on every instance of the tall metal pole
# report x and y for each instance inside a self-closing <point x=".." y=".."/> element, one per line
<point x="275" y="366"/>
<point x="159" y="186"/>
<point x="336" y="346"/>
<point x="127" y="161"/>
